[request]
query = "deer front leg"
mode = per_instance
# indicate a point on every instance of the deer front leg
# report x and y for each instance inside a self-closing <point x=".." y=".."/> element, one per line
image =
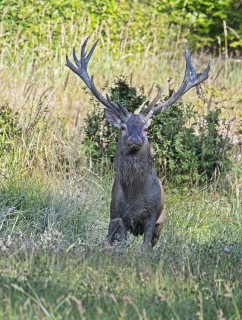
<point x="149" y="231"/>
<point x="158" y="227"/>
<point x="116" y="231"/>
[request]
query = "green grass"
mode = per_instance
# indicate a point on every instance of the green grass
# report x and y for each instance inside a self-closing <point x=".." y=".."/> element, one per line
<point x="53" y="263"/>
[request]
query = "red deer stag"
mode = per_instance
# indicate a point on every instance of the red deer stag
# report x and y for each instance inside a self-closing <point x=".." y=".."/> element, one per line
<point x="137" y="203"/>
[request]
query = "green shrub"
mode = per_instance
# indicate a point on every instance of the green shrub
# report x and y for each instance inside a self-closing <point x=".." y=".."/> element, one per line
<point x="183" y="150"/>
<point x="201" y="21"/>
<point x="128" y="25"/>
<point x="212" y="148"/>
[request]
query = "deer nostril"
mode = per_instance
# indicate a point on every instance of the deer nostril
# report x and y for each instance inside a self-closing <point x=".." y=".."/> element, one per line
<point x="135" y="140"/>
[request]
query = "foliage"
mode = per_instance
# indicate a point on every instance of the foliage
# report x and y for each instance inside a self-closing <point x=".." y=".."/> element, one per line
<point x="127" y="25"/>
<point x="203" y="20"/>
<point x="212" y="147"/>
<point x="185" y="150"/>
<point x="179" y="152"/>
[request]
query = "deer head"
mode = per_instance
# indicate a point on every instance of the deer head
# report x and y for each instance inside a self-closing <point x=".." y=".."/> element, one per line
<point x="134" y="127"/>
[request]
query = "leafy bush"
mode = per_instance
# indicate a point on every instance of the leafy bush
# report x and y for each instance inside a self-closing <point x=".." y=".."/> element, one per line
<point x="188" y="152"/>
<point x="202" y="22"/>
<point x="183" y="150"/>
<point x="125" y="24"/>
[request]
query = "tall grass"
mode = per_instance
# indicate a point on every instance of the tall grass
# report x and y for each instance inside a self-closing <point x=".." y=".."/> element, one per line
<point x="29" y="77"/>
<point x="53" y="263"/>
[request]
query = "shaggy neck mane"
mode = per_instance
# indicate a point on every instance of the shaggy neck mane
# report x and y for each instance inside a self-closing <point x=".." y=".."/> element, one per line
<point x="133" y="168"/>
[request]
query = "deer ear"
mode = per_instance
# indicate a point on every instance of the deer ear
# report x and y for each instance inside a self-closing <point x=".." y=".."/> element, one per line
<point x="112" y="118"/>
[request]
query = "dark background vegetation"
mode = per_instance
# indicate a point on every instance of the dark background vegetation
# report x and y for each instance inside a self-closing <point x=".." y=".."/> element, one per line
<point x="213" y="25"/>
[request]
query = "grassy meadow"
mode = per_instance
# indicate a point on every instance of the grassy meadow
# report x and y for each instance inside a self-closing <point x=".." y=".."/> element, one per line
<point x="54" y="207"/>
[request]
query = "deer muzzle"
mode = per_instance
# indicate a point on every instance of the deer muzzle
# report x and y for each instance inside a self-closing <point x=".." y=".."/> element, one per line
<point x="134" y="142"/>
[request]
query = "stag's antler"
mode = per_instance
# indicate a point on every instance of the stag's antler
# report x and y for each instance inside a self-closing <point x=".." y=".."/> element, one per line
<point x="191" y="79"/>
<point x="81" y="71"/>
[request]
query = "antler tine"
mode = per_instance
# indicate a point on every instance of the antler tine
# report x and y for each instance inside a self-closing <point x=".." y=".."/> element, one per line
<point x="154" y="102"/>
<point x="124" y="110"/>
<point x="75" y="58"/>
<point x="83" y="52"/>
<point x="118" y="106"/>
<point x="115" y="107"/>
<point x="191" y="79"/>
<point x="81" y="70"/>
<point x="91" y="51"/>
